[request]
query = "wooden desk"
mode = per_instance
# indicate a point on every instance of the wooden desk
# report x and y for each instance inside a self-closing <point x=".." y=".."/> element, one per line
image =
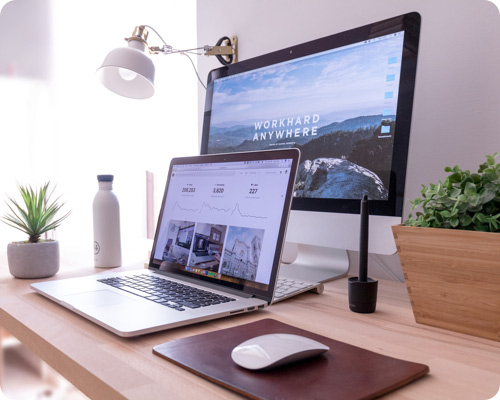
<point x="105" y="366"/>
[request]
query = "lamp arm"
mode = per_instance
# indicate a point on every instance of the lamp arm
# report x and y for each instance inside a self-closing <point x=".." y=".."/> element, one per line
<point x="226" y="54"/>
<point x="166" y="48"/>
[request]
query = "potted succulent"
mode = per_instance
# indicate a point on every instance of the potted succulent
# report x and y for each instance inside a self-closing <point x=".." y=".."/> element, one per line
<point x="450" y="252"/>
<point x="35" y="257"/>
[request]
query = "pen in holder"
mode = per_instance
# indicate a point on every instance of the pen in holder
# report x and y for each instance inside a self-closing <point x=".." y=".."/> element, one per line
<point x="361" y="289"/>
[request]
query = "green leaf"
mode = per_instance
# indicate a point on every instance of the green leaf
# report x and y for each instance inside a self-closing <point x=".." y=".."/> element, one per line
<point x="456" y="177"/>
<point x="490" y="160"/>
<point x="476" y="178"/>
<point x="487" y="196"/>
<point x="446" y="214"/>
<point x="465" y="200"/>
<point x="481" y="217"/>
<point x="454" y="193"/>
<point x="470" y="189"/>
<point x="465" y="220"/>
<point x="37" y="214"/>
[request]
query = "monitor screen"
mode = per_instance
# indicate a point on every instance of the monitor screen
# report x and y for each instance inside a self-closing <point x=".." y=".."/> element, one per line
<point x="345" y="101"/>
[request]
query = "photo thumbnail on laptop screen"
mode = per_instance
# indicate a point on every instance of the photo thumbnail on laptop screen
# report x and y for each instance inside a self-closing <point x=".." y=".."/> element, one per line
<point x="338" y="107"/>
<point x="221" y="221"/>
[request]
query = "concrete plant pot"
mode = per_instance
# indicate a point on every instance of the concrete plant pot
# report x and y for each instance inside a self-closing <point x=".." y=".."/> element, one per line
<point x="33" y="260"/>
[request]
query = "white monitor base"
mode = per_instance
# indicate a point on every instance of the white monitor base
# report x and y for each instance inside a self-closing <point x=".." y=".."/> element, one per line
<point x="314" y="263"/>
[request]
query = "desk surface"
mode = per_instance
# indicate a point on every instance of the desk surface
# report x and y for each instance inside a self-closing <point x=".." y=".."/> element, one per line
<point x="105" y="366"/>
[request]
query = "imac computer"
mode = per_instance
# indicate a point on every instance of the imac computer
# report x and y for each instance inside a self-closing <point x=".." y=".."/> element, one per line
<point x="346" y="102"/>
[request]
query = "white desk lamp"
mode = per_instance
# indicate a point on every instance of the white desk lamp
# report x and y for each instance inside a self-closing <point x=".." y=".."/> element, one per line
<point x="129" y="72"/>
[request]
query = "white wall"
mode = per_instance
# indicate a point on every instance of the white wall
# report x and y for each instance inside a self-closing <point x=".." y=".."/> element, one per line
<point x="100" y="132"/>
<point x="68" y="128"/>
<point x="456" y="112"/>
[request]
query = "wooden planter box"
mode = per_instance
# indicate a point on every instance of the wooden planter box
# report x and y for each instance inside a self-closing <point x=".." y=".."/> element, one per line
<point x="453" y="278"/>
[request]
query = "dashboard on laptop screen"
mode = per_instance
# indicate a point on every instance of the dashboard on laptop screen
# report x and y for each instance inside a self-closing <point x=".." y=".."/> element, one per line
<point x="221" y="221"/>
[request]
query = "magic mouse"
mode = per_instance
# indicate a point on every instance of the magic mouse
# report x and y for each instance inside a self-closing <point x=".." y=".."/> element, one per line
<point x="274" y="350"/>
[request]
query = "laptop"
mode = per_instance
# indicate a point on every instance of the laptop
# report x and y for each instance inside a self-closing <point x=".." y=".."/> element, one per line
<point x="216" y="251"/>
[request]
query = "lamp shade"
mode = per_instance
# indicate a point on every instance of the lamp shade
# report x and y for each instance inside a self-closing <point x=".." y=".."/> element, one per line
<point x="128" y="71"/>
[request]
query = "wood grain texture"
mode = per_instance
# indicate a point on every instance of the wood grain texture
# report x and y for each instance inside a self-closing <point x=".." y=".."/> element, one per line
<point x="105" y="366"/>
<point x="453" y="278"/>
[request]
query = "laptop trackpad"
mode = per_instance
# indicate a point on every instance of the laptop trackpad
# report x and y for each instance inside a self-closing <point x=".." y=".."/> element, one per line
<point x="97" y="299"/>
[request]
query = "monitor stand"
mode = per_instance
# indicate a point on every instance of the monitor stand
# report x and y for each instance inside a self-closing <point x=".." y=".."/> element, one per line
<point x="314" y="263"/>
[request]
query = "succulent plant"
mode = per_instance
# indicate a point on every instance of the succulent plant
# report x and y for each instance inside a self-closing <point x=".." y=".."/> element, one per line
<point x="465" y="200"/>
<point x="37" y="215"/>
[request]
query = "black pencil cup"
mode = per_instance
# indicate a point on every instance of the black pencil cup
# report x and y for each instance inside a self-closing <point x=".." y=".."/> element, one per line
<point x="362" y="295"/>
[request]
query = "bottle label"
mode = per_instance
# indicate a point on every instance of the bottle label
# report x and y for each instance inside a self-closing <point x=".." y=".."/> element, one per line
<point x="97" y="248"/>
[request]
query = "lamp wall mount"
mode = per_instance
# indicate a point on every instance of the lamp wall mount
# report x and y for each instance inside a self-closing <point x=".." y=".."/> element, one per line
<point x="226" y="51"/>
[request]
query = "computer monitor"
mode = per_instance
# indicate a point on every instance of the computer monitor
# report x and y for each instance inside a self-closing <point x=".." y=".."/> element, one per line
<point x="346" y="102"/>
<point x="200" y="243"/>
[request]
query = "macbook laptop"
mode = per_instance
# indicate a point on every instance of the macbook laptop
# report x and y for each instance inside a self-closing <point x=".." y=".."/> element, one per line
<point x="216" y="250"/>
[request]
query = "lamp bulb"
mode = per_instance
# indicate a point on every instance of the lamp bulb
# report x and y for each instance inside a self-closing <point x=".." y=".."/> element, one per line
<point x="127" y="74"/>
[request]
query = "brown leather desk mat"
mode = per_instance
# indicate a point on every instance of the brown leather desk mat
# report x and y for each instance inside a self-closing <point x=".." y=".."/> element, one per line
<point x="344" y="372"/>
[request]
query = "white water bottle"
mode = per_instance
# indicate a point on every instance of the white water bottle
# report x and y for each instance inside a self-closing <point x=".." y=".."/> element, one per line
<point x="106" y="213"/>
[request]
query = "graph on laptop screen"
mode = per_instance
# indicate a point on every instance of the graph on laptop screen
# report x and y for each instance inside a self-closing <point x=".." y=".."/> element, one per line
<point x="345" y="101"/>
<point x="222" y="220"/>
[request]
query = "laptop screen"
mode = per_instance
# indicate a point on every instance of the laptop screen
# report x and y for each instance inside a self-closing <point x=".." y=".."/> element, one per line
<point x="223" y="218"/>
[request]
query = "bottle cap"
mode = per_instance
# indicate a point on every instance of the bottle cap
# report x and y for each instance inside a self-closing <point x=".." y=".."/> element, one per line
<point x="105" y="178"/>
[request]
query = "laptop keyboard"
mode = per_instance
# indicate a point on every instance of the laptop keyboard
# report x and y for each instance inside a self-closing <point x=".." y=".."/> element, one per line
<point x="168" y="293"/>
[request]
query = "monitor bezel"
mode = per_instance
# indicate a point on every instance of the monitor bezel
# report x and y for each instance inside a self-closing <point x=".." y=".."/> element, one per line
<point x="409" y="23"/>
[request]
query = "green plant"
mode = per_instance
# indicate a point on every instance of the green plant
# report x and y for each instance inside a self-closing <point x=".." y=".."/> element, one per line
<point x="463" y="201"/>
<point x="37" y="215"/>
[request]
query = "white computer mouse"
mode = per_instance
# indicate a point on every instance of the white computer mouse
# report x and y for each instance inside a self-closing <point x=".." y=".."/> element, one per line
<point x="276" y="349"/>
